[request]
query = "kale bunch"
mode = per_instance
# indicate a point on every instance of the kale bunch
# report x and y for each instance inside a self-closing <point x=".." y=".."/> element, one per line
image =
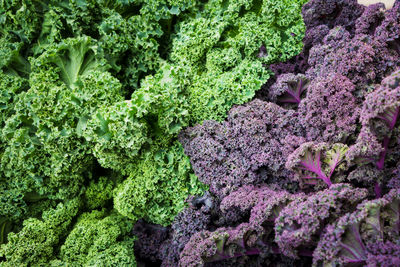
<point x="93" y="96"/>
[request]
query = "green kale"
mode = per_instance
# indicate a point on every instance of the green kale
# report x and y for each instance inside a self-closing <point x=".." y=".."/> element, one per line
<point x="158" y="185"/>
<point x="99" y="239"/>
<point x="35" y="243"/>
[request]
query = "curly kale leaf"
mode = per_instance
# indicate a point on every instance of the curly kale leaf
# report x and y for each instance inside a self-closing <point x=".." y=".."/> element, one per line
<point x="158" y="185"/>
<point x="99" y="239"/>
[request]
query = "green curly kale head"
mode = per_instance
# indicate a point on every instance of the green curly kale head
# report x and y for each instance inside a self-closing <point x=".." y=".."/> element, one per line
<point x="158" y="185"/>
<point x="38" y="238"/>
<point x="43" y="150"/>
<point x="99" y="239"/>
<point x="221" y="45"/>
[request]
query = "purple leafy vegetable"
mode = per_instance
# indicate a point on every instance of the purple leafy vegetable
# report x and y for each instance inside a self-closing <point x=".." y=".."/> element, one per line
<point x="250" y="147"/>
<point x="358" y="236"/>
<point x="389" y="30"/>
<point x="248" y="238"/>
<point x="301" y="221"/>
<point x="312" y="162"/>
<point x="371" y="18"/>
<point x="288" y="89"/>
<point x="332" y="13"/>
<point x="219" y="245"/>
<point x="194" y="218"/>
<point x="362" y="58"/>
<point x="329" y="112"/>
<point x="238" y="204"/>
<point x="379" y="115"/>
<point x="149" y="239"/>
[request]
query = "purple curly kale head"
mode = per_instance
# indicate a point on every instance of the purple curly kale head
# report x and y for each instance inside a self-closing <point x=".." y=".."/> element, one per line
<point x="369" y="233"/>
<point x="294" y="66"/>
<point x="149" y="239"/>
<point x="383" y="254"/>
<point x="366" y="175"/>
<point x="301" y="221"/>
<point x="238" y="204"/>
<point x="332" y="13"/>
<point x="379" y="115"/>
<point x="194" y="218"/>
<point x="388" y="31"/>
<point x="319" y="16"/>
<point x="384" y="102"/>
<point x="371" y="18"/>
<point x="329" y="112"/>
<point x="248" y="238"/>
<point x="222" y="244"/>
<point x="250" y="147"/>
<point x="267" y="211"/>
<point x="362" y="58"/>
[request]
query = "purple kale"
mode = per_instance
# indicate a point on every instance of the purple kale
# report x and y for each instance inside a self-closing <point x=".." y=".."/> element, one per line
<point x="194" y="218"/>
<point x="205" y="203"/>
<point x="364" y="234"/>
<point x="288" y="89"/>
<point x="250" y="147"/>
<point x="222" y="244"/>
<point x="389" y="30"/>
<point x="366" y="149"/>
<point x="301" y="221"/>
<point x="267" y="211"/>
<point x="262" y="259"/>
<point x="362" y="43"/>
<point x="295" y="65"/>
<point x="362" y="58"/>
<point x="149" y="239"/>
<point x="238" y="204"/>
<point x="379" y="115"/>
<point x="314" y="162"/>
<point x="371" y="18"/>
<point x="383" y="254"/>
<point x="384" y="102"/>
<point x="314" y="36"/>
<point x="282" y="68"/>
<point x="368" y="176"/>
<point x="394" y="182"/>
<point x="320" y="16"/>
<point x="248" y="238"/>
<point x="329" y="112"/>
<point x="365" y="174"/>
<point x="332" y="13"/>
